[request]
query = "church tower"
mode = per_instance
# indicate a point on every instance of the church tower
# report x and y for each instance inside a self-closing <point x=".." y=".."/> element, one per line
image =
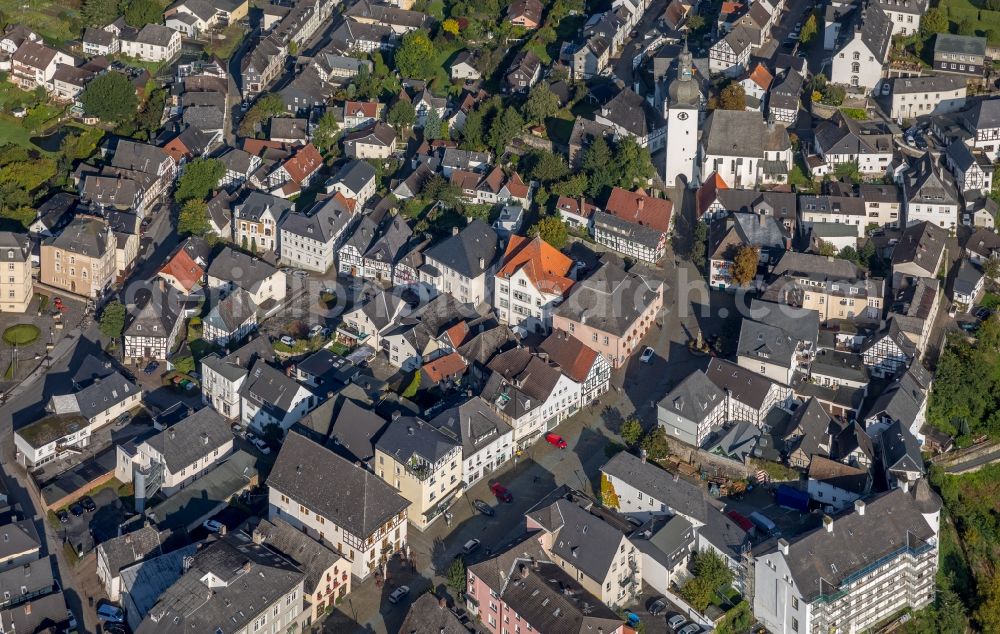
<point x="682" y="103"/>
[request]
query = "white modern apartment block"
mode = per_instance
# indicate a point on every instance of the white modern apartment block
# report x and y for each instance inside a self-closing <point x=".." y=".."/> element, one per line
<point x="854" y="571"/>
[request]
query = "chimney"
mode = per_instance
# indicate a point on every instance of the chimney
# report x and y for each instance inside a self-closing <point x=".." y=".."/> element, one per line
<point x="442" y="602"/>
<point x="905" y="485"/>
<point x="258" y="536"/>
<point x="237" y="359"/>
<point x="642" y="455"/>
<point x="482" y="263"/>
<point x="828" y="523"/>
<point x="783" y="546"/>
<point x="639" y="203"/>
<point x="454" y="231"/>
<point x="222" y="529"/>
<point x="524" y="571"/>
<point x="170" y="432"/>
<point x="859" y="507"/>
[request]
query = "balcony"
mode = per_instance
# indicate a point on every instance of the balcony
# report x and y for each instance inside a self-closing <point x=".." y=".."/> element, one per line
<point x="419" y="471"/>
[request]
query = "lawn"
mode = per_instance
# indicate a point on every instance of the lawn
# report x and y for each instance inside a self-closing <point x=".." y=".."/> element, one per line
<point x="12" y="132"/>
<point x="21" y="334"/>
<point x="987" y="22"/>
<point x="57" y="22"/>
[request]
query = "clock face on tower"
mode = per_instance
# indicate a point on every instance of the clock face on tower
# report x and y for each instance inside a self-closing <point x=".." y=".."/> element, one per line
<point x="682" y="116"/>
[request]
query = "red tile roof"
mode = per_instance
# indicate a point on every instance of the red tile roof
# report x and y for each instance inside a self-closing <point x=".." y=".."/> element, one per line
<point x="544" y="265"/>
<point x="761" y="76"/>
<point x="304" y="163"/>
<point x="465" y="180"/>
<point x="516" y="186"/>
<point x="177" y="150"/>
<point x="640" y="208"/>
<point x="449" y="366"/>
<point x="185" y="270"/>
<point x="569" y="353"/>
<point x="581" y="207"/>
<point x="457" y="334"/>
<point x="259" y="146"/>
<point x="708" y="192"/>
<point x="361" y="108"/>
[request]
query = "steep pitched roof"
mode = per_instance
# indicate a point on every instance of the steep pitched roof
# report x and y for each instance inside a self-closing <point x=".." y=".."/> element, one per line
<point x="640" y="208"/>
<point x="543" y="264"/>
<point x="573" y="357"/>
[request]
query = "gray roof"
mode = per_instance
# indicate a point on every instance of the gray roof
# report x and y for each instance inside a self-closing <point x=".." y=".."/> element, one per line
<point x="900" y="449"/>
<point x="969" y="275"/>
<point x="913" y="7"/>
<point x="743" y="385"/>
<point x="930" y="83"/>
<point x="611" y="299"/>
<point x="155" y="35"/>
<point x="583" y="539"/>
<point x="192" y="439"/>
<point x="324" y="221"/>
<point x="34" y="576"/>
<point x="347" y="495"/>
<point x="238" y="363"/>
<point x="129" y="548"/>
<point x="391" y="245"/>
<point x="694" y="397"/>
<point x="232" y="311"/>
<point x="875" y="29"/>
<point x="152" y="315"/>
<point x="83" y="235"/>
<point x="252" y="578"/>
<point x="842" y="476"/>
<point x="145" y="582"/>
<point x="270" y="389"/>
<point x="984" y="114"/>
<point x="473" y="423"/>
<point x="771" y="332"/>
<point x="843" y="365"/>
<point x="678" y="494"/>
<point x="14" y="247"/>
<point x="18" y="537"/>
<point x="97" y="397"/>
<point x="302" y="550"/>
<point x="470" y="252"/>
<point x="355" y="175"/>
<point x="929" y="183"/>
<point x="141" y="157"/>
<point x="237" y="160"/>
<point x="242" y="269"/>
<point x="288" y="128"/>
<point x="787" y="92"/>
<point x="818" y="267"/>
<point x="962" y="44"/>
<point x="742" y="133"/>
<point x="843" y="135"/>
<point x="259" y="203"/>
<point x="408" y="437"/>
<point x="821" y="560"/>
<point x="354" y="430"/>
<point x="922" y="243"/>
<point x="429" y="615"/>
<point x="630" y="111"/>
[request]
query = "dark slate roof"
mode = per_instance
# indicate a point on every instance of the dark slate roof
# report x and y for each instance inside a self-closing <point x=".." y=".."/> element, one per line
<point x="961" y="44"/>
<point x="922" y="243"/>
<point x="152" y="315"/>
<point x="745" y="386"/>
<point x="929" y="183"/>
<point x="680" y="495"/>
<point x="585" y="540"/>
<point x="900" y="449"/>
<point x="129" y="548"/>
<point x="333" y="487"/>
<point x="192" y="439"/>
<point x="257" y="203"/>
<point x="302" y="550"/>
<point x="238" y="362"/>
<point x="968" y="276"/>
<point x="611" y="299"/>
<point x="101" y="395"/>
<point x="694" y="397"/>
<point x="83" y="235"/>
<point x="408" y="437"/>
<point x="244" y="270"/>
<point x="355" y="175"/>
<point x="325" y="220"/>
<point x="473" y="423"/>
<point x="354" y="430"/>
<point x="18" y="537"/>
<point x="821" y="560"/>
<point x="630" y="111"/>
<point x="470" y="252"/>
<point x="931" y="83"/>
<point x="270" y="389"/>
<point x="742" y="133"/>
<point x="252" y="577"/>
<point x="900" y="401"/>
<point x="430" y="615"/>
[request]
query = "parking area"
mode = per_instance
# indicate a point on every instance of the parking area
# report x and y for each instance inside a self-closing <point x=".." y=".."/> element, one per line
<point x="85" y="529"/>
<point x="53" y="323"/>
<point x="790" y="522"/>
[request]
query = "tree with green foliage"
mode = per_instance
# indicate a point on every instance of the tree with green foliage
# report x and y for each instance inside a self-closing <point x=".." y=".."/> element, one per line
<point x="967" y="27"/>
<point x="745" y="263"/>
<point x="573" y="187"/>
<point x="544" y="166"/>
<point x="99" y="13"/>
<point x="456" y="576"/>
<point x="147" y="121"/>
<point x="711" y="573"/>
<point x="633" y="163"/>
<point x="809" y="29"/>
<point x="699" y="246"/>
<point x="267" y="105"/>
<point x="541" y="104"/>
<point x="733" y="97"/>
<point x="200" y="177"/>
<point x="695" y="22"/>
<point x="506" y="125"/>
<point x="551" y="229"/>
<point x="113" y="319"/>
<point x="934" y="21"/>
<point x="655" y="444"/>
<point x="402" y="115"/>
<point x="109" y="97"/>
<point x="441" y="189"/>
<point x="139" y="13"/>
<point x="991" y="268"/>
<point x="415" y="56"/>
<point x="193" y="218"/>
<point x="432" y="125"/>
<point x="326" y="136"/>
<point x="473" y="133"/>
<point x="597" y="164"/>
<point x="631" y="431"/>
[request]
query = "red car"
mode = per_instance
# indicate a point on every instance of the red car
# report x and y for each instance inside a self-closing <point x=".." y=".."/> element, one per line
<point x="503" y="495"/>
<point x="556" y="439"/>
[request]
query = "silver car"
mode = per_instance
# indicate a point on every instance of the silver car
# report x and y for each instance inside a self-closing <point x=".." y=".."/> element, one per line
<point x="676" y="622"/>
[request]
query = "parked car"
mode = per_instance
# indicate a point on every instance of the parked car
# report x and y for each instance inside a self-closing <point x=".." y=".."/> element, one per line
<point x="110" y="613"/>
<point x="690" y="628"/>
<point x="983" y="314"/>
<point x="483" y="508"/>
<point x="212" y="526"/>
<point x="470" y="546"/>
<point x="555" y="439"/>
<point x="88" y="504"/>
<point x="62" y="516"/>
<point x="676" y="622"/>
<point x="647" y="355"/>
<point x="398" y="594"/>
<point x="632" y="618"/>
<point x="149" y="369"/>
<point x="501" y="492"/>
<point x="115" y="628"/>
<point x="261" y="445"/>
<point x="657" y="606"/>
<point x="76" y="509"/>
<point x="315" y="330"/>
<point x="288" y="341"/>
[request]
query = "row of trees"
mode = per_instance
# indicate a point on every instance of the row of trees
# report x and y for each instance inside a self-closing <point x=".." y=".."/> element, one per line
<point x="138" y="13"/>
